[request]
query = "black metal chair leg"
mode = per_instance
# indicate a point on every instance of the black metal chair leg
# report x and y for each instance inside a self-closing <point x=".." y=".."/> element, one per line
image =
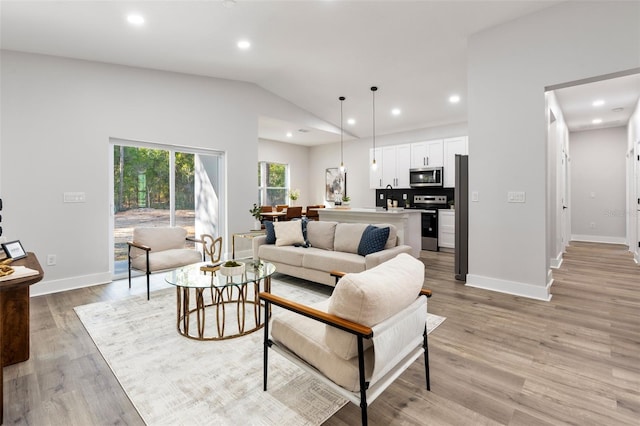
<point x="426" y="359"/>
<point x="148" y="273"/>
<point x="266" y="346"/>
<point x="363" y="384"/>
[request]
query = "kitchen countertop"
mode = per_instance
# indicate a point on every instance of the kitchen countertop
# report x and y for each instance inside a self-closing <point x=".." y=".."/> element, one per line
<point x="372" y="210"/>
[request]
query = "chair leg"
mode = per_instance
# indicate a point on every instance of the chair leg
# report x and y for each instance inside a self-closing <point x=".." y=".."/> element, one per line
<point x="129" y="262"/>
<point x="266" y="346"/>
<point x="363" y="384"/>
<point x="426" y="359"/>
<point x="148" y="273"/>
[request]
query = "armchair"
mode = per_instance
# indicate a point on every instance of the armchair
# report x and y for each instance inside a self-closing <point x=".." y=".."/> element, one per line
<point x="160" y="248"/>
<point x="371" y="329"/>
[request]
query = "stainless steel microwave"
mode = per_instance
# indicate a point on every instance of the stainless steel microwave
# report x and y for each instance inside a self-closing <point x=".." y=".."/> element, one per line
<point x="425" y="176"/>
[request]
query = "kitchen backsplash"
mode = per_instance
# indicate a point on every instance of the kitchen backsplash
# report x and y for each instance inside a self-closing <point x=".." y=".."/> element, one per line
<point x="398" y="194"/>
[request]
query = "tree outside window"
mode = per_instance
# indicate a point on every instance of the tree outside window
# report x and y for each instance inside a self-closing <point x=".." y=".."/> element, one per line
<point x="273" y="183"/>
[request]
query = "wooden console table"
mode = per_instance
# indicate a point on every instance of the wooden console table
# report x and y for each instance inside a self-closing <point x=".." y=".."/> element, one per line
<point x="14" y="318"/>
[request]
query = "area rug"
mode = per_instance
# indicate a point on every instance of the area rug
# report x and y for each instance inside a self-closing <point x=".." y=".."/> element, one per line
<point x="173" y="380"/>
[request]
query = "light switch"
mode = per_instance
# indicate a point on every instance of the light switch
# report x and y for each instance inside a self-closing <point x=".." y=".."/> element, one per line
<point x="75" y="197"/>
<point x="516" y="196"/>
<point x="474" y="196"/>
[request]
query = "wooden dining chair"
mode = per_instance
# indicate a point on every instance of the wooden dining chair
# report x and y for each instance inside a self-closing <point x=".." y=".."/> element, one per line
<point x="293" y="213"/>
<point x="281" y="207"/>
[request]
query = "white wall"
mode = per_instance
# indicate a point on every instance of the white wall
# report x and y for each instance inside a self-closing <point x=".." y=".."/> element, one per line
<point x="297" y="157"/>
<point x="508" y="68"/>
<point x="598" y="185"/>
<point x="57" y="117"/>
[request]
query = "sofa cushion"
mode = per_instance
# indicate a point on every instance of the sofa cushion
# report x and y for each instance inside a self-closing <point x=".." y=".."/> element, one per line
<point x="158" y="238"/>
<point x="324" y="260"/>
<point x="288" y="233"/>
<point x="286" y="254"/>
<point x="392" y="241"/>
<point x="321" y="234"/>
<point x="348" y="236"/>
<point x="372" y="296"/>
<point x="167" y="259"/>
<point x="271" y="232"/>
<point x="305" y="337"/>
<point x="373" y="240"/>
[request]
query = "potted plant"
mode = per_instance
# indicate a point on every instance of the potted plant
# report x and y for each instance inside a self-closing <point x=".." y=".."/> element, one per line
<point x="256" y="212"/>
<point x="452" y="204"/>
<point x="231" y="267"/>
<point x="346" y="200"/>
<point x="294" y="194"/>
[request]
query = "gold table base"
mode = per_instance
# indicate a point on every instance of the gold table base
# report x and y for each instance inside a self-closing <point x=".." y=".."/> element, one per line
<point x="220" y="298"/>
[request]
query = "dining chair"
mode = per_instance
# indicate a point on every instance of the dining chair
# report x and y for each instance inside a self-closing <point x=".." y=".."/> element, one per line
<point x="293" y="212"/>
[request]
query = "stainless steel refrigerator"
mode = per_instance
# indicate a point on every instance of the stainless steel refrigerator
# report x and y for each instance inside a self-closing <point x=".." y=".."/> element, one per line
<point x="461" y="201"/>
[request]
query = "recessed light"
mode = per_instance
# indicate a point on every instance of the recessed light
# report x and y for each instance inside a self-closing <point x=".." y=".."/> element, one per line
<point x="289" y="134"/>
<point x="396" y="111"/>
<point x="351" y="121"/>
<point x="596" y="121"/>
<point x="454" y="99"/>
<point x="244" y="44"/>
<point x="135" y="19"/>
<point x="598" y="102"/>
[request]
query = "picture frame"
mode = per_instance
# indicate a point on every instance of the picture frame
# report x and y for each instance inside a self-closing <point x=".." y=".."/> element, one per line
<point x="335" y="183"/>
<point x="14" y="250"/>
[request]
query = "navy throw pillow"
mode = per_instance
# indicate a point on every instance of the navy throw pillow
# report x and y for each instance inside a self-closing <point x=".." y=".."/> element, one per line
<point x="373" y="240"/>
<point x="271" y="232"/>
<point x="304" y="222"/>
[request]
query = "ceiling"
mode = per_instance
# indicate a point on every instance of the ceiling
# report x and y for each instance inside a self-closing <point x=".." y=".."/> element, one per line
<point x="307" y="52"/>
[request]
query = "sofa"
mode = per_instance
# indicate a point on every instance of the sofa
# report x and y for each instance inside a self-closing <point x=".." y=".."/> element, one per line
<point x="312" y="249"/>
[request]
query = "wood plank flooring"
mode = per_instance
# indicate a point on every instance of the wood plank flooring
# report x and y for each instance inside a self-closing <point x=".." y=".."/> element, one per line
<point x="496" y="360"/>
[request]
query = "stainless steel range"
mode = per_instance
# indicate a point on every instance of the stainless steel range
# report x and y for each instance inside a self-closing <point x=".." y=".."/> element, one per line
<point x="429" y="204"/>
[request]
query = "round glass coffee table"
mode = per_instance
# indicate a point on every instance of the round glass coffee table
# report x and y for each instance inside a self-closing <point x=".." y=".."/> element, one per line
<point x="203" y="291"/>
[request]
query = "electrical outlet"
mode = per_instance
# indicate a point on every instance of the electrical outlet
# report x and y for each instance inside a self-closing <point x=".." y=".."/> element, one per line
<point x="404" y="196"/>
<point x="51" y="259"/>
<point x="474" y="196"/>
<point x="382" y="196"/>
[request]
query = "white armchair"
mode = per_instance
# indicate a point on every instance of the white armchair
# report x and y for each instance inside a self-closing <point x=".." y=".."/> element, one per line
<point x="371" y="329"/>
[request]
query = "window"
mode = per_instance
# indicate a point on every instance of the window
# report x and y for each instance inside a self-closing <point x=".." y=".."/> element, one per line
<point x="273" y="183"/>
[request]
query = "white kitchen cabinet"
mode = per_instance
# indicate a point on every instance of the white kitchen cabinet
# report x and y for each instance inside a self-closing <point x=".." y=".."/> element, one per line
<point x="396" y="161"/>
<point x="375" y="175"/>
<point x="446" y="229"/>
<point x="427" y="154"/>
<point x="452" y="146"/>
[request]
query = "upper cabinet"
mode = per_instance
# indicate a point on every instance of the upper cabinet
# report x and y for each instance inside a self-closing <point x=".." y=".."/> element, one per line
<point x="396" y="161"/>
<point x="375" y="175"/>
<point x="427" y="154"/>
<point x="393" y="166"/>
<point x="452" y="146"/>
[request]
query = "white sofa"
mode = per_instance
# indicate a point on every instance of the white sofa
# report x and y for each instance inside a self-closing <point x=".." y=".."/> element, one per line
<point x="333" y="246"/>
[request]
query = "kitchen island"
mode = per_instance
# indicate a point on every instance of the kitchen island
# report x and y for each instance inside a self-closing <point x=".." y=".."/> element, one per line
<point x="408" y="222"/>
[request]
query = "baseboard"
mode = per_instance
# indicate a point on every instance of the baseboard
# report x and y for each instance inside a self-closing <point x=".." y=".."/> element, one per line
<point x="599" y="239"/>
<point x="555" y="263"/>
<point x="511" y="287"/>
<point x="636" y="257"/>
<point x="55" y="286"/>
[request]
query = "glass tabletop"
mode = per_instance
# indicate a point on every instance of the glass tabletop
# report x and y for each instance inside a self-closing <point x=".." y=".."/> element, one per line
<point x="193" y="276"/>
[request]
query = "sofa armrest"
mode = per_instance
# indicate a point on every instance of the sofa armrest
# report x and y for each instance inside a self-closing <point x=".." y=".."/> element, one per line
<point x="374" y="259"/>
<point x="256" y="243"/>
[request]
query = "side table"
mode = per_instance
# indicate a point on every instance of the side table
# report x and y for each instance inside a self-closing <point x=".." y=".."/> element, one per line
<point x="249" y="235"/>
<point x="14" y="317"/>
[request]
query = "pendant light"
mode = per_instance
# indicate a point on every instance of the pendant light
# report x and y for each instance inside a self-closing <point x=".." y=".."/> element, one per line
<point x="374" y="166"/>
<point x="341" y="98"/>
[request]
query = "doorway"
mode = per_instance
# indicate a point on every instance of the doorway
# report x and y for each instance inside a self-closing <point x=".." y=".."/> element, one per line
<point x="157" y="185"/>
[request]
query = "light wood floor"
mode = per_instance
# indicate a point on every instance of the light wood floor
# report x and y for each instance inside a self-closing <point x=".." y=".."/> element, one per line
<point x="497" y="359"/>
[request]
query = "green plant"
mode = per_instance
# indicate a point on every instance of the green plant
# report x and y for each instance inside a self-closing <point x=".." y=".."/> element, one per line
<point x="346" y="199"/>
<point x="294" y="194"/>
<point x="231" y="264"/>
<point x="255" y="211"/>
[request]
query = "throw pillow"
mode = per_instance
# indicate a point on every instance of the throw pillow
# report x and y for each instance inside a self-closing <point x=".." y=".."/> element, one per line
<point x="271" y="232"/>
<point x="373" y="240"/>
<point x="288" y="233"/>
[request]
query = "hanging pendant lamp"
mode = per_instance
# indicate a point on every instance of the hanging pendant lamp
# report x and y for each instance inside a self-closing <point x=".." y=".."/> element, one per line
<point x="374" y="166"/>
<point x="341" y="98"/>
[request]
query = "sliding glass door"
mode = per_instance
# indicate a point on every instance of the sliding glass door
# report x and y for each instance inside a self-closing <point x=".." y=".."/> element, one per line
<point x="157" y="185"/>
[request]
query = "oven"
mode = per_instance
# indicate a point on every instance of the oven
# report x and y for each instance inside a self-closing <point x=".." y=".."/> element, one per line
<point x="429" y="205"/>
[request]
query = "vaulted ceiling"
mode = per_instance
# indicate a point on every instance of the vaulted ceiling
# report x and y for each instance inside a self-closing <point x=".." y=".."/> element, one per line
<point x="307" y="52"/>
